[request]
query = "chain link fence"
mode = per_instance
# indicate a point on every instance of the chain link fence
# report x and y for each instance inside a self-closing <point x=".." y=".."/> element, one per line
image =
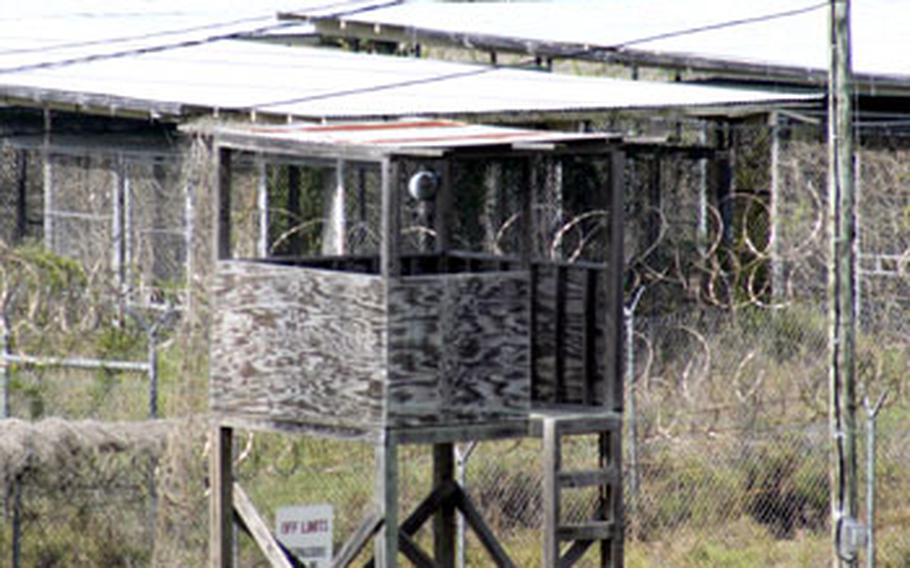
<point x="79" y="491"/>
<point x="726" y="363"/>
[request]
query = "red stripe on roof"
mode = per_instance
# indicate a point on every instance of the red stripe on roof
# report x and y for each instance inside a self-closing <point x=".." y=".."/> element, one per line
<point x="363" y="127"/>
<point x="505" y="136"/>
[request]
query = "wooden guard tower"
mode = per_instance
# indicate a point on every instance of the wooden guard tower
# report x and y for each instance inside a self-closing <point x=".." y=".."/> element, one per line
<point x="486" y="305"/>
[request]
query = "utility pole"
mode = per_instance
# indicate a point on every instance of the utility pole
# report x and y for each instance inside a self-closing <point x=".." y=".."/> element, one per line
<point x="841" y="288"/>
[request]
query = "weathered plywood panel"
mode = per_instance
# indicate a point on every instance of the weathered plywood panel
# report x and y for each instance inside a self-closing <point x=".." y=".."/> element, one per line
<point x="459" y="348"/>
<point x="297" y="344"/>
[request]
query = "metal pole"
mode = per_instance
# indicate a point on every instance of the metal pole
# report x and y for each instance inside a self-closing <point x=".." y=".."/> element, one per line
<point x="5" y="410"/>
<point x="632" y="417"/>
<point x="870" y="491"/>
<point x="871" y="417"/>
<point x="262" y="203"/>
<point x="777" y="267"/>
<point x="461" y="467"/>
<point x="76" y="363"/>
<point x="5" y="348"/>
<point x="22" y="197"/>
<point x="17" y="524"/>
<point x="153" y="414"/>
<point x="118" y="235"/>
<point x="189" y="208"/>
<point x="857" y="275"/>
<point x="47" y="182"/>
<point x="841" y="283"/>
<point x="701" y="239"/>
<point x="153" y="370"/>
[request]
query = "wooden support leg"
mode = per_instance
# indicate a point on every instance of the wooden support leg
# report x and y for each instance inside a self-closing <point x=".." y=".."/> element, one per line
<point x="551" y="467"/>
<point x="221" y="522"/>
<point x="444" y="519"/>
<point x="605" y="528"/>
<point x="604" y="505"/>
<point x="612" y="551"/>
<point x="386" y="543"/>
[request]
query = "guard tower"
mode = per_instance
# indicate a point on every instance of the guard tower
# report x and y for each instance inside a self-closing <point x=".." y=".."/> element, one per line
<point x="465" y="284"/>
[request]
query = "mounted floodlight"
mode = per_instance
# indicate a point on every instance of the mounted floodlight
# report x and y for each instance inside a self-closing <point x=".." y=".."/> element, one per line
<point x="423" y="185"/>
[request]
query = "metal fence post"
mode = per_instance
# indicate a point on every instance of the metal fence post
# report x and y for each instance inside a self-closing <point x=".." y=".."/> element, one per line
<point x="17" y="524"/>
<point x="5" y="351"/>
<point x="152" y="331"/>
<point x="153" y="414"/>
<point x="462" y="455"/>
<point x="871" y="417"/>
<point x="5" y="347"/>
<point x="632" y="418"/>
<point x="5" y="410"/>
<point x="153" y="370"/>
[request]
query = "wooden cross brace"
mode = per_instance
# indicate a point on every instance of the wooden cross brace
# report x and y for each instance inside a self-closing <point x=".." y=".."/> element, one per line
<point x="447" y="494"/>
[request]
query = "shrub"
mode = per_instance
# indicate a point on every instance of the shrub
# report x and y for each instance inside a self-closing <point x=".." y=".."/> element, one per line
<point x="786" y="488"/>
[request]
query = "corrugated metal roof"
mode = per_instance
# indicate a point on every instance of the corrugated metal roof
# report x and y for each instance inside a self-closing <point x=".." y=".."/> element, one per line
<point x="310" y="83"/>
<point x="408" y="134"/>
<point x="56" y="32"/>
<point x="685" y="31"/>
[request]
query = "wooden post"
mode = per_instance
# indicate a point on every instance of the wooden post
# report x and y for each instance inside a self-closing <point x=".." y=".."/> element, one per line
<point x="189" y="239"/>
<point x="444" y="519"/>
<point x="390" y="259"/>
<point x="841" y="281"/>
<point x="493" y="189"/>
<point x="526" y="225"/>
<point x="221" y="513"/>
<point x="724" y="187"/>
<point x="613" y="396"/>
<point x="48" y="183"/>
<point x="118" y="225"/>
<point x="334" y="229"/>
<point x="655" y="201"/>
<point x="223" y="205"/>
<point x="262" y="203"/>
<point x="721" y="182"/>
<point x="701" y="231"/>
<point x="551" y="466"/>
<point x="294" y="212"/>
<point x="444" y="204"/>
<point x="553" y="192"/>
<point x="127" y="229"/>
<point x="611" y="499"/>
<point x="159" y="269"/>
<point x="386" y="543"/>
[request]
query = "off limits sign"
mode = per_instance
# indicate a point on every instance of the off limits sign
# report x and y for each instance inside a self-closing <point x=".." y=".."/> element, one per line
<point x="307" y="532"/>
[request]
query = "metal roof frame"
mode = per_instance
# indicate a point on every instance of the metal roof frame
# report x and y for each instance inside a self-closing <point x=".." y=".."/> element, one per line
<point x="374" y="141"/>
